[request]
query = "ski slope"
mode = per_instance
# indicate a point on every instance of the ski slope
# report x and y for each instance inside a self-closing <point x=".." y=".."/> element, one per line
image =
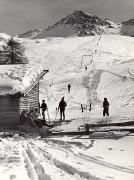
<point x="109" y="60"/>
<point x="100" y="156"/>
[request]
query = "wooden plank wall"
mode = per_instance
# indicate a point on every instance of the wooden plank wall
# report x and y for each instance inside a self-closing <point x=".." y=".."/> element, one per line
<point x="9" y="111"/>
<point x="31" y="99"/>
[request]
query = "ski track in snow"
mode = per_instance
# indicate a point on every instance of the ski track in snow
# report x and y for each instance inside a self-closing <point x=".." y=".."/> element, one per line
<point x="91" y="159"/>
<point x="79" y="160"/>
<point x="53" y="159"/>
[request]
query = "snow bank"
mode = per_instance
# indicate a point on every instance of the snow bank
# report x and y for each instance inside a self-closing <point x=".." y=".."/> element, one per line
<point x="17" y="78"/>
<point x="4" y="36"/>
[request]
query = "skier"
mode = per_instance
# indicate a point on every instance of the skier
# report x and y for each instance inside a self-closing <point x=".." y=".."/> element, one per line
<point x="90" y="107"/>
<point x="44" y="108"/>
<point x="81" y="108"/>
<point x="69" y="86"/>
<point x="62" y="106"/>
<point x="105" y="107"/>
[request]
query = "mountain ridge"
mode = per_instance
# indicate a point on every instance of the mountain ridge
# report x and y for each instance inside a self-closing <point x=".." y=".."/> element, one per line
<point x="77" y="23"/>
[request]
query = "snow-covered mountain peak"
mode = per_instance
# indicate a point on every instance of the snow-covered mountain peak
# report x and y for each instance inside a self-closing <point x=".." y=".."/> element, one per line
<point x="81" y="18"/>
<point x="77" y="23"/>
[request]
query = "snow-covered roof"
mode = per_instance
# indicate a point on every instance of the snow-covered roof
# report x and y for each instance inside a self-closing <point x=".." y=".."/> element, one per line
<point x="19" y="78"/>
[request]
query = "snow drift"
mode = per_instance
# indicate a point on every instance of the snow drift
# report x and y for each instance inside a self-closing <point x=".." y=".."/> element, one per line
<point x="17" y="78"/>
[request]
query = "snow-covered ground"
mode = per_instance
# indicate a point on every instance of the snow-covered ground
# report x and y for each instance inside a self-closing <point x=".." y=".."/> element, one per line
<point x="110" y="68"/>
<point x="110" y="73"/>
<point x="97" y="157"/>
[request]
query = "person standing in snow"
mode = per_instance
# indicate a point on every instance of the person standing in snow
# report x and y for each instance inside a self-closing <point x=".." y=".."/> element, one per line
<point x="69" y="86"/>
<point x="81" y="108"/>
<point x="90" y="107"/>
<point x="105" y="107"/>
<point x="86" y="68"/>
<point x="44" y="108"/>
<point x="61" y="107"/>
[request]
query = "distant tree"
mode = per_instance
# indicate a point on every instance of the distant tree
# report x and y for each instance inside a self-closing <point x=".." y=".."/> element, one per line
<point x="12" y="53"/>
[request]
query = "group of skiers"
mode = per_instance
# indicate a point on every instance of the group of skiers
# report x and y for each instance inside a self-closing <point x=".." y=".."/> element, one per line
<point x="63" y="104"/>
<point x="61" y="108"/>
<point x="33" y="114"/>
<point x="105" y="104"/>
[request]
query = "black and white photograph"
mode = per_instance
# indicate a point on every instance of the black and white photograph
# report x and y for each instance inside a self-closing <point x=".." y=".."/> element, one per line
<point x="66" y="89"/>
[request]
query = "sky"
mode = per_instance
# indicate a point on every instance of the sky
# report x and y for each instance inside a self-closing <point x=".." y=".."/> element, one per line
<point x="18" y="16"/>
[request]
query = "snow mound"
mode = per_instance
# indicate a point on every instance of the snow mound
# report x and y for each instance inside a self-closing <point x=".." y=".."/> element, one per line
<point x="17" y="78"/>
<point x="4" y="36"/>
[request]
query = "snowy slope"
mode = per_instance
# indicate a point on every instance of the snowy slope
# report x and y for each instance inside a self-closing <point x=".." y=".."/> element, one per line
<point x="105" y="56"/>
<point x="100" y="156"/>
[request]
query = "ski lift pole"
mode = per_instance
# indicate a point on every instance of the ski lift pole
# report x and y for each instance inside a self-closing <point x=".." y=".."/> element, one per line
<point x="86" y="111"/>
<point x="86" y="114"/>
<point x="89" y="110"/>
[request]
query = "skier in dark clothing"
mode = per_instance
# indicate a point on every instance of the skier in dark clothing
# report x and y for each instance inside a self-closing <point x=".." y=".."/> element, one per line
<point x="44" y="108"/>
<point x="90" y="107"/>
<point x="62" y="106"/>
<point x="105" y="107"/>
<point x="69" y="86"/>
<point x="81" y="108"/>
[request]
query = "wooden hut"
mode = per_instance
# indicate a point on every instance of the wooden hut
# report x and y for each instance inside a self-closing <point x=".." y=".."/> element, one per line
<point x="19" y="90"/>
